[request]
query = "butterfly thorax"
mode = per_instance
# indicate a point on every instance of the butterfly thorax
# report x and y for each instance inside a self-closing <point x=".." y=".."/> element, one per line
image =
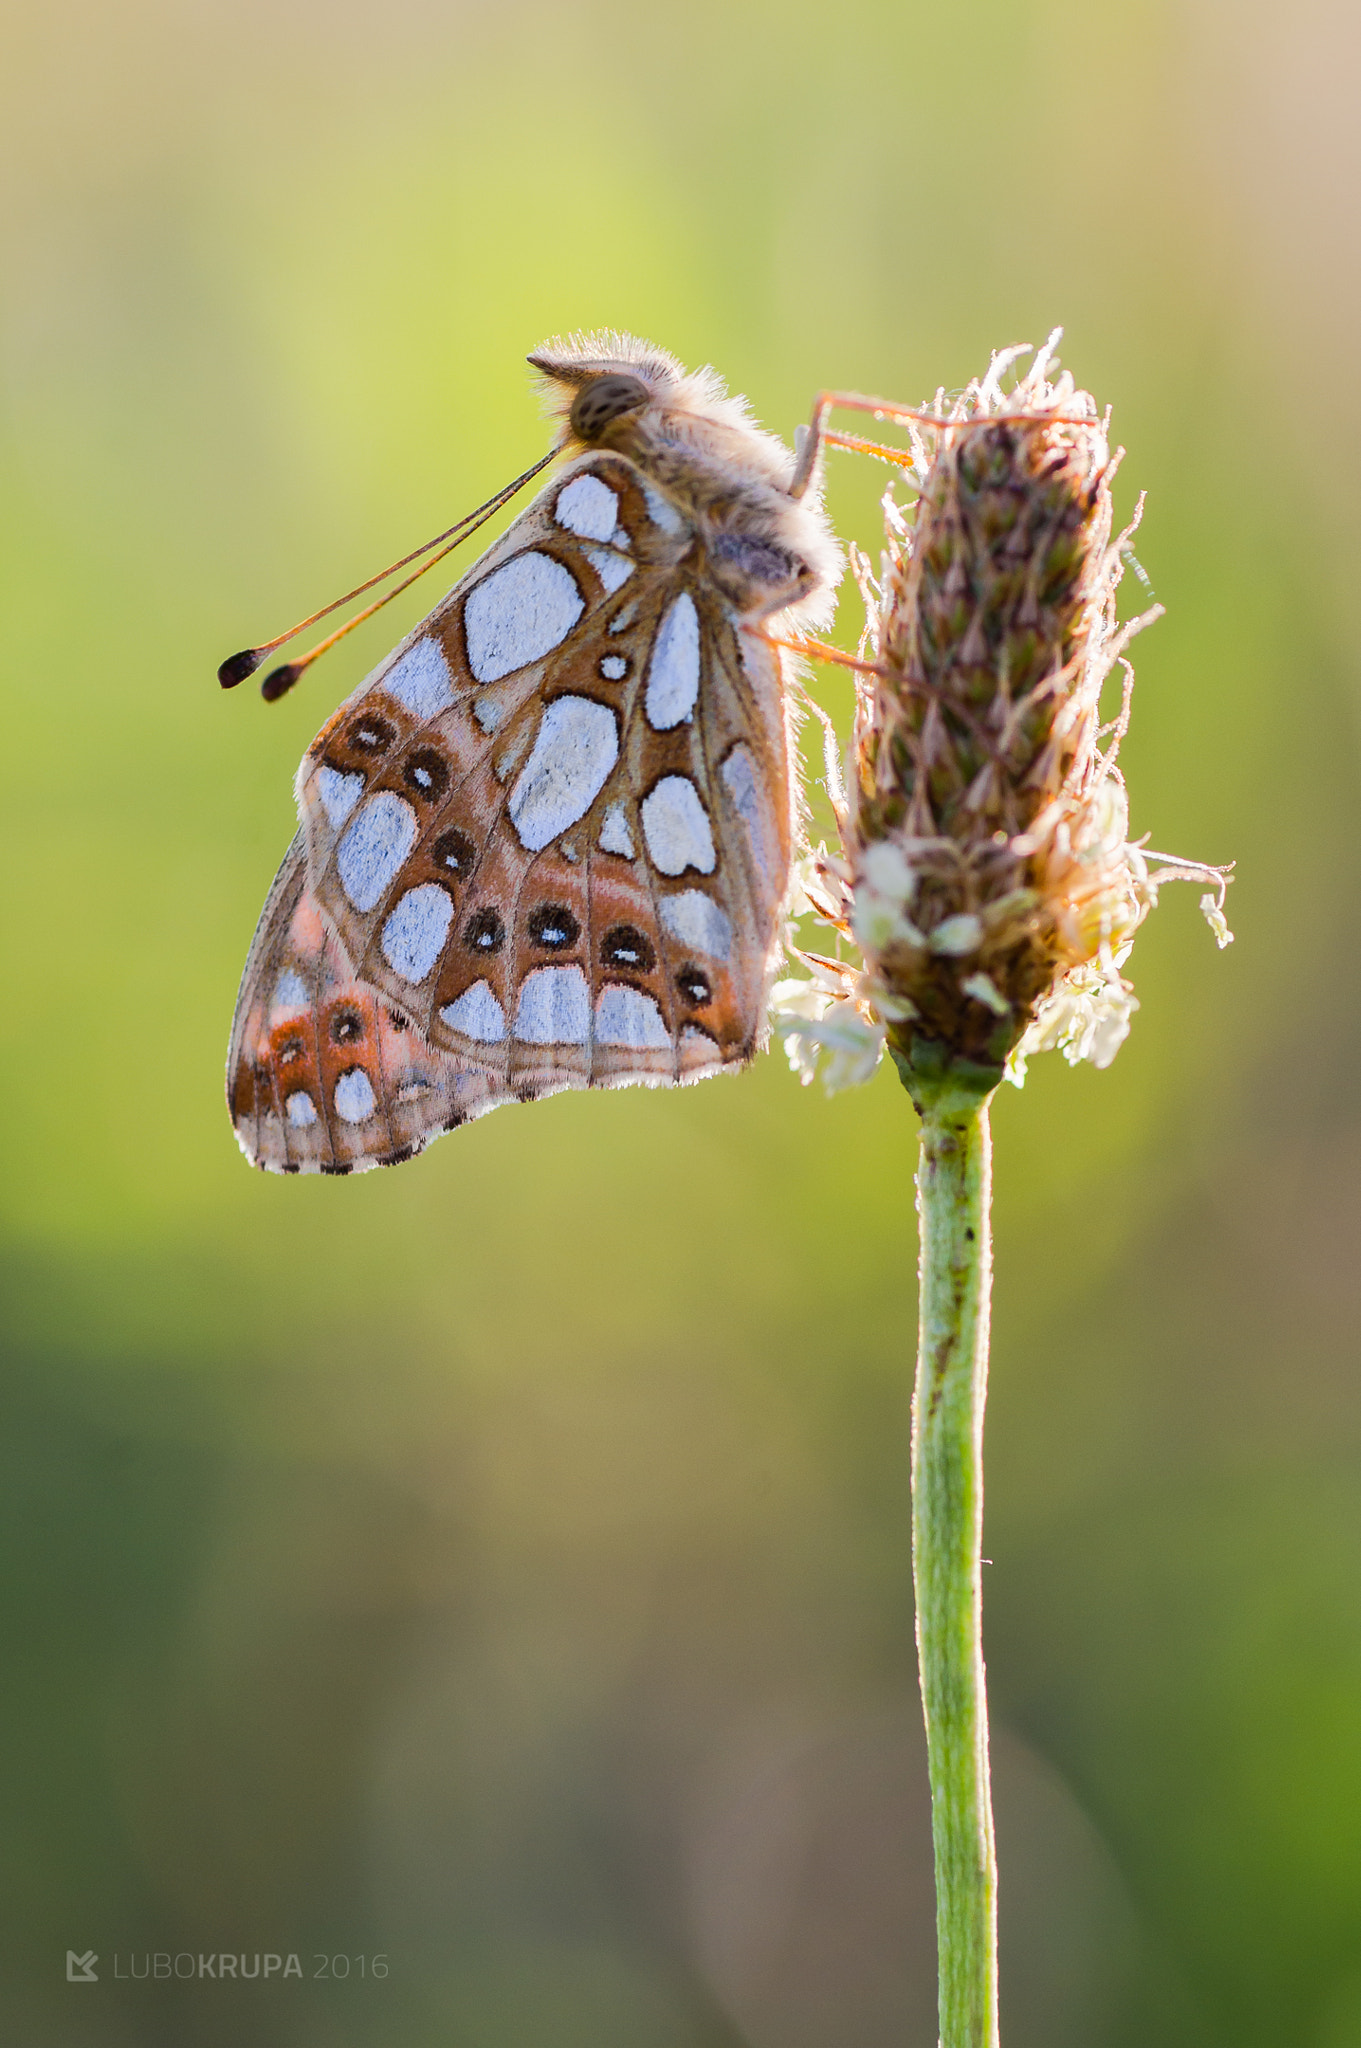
<point x="763" y="549"/>
<point x="768" y="551"/>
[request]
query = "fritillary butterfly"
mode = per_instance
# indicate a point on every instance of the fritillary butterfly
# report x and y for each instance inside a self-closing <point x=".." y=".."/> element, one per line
<point x="547" y="843"/>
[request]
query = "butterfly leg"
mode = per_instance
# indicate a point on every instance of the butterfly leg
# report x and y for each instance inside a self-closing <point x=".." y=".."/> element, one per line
<point x="815" y="650"/>
<point x="811" y="439"/>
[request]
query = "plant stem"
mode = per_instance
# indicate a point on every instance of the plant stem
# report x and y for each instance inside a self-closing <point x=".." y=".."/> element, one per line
<point x="954" y="1188"/>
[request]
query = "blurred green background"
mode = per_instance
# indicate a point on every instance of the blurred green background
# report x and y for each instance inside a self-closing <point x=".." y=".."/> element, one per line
<point x="501" y="1565"/>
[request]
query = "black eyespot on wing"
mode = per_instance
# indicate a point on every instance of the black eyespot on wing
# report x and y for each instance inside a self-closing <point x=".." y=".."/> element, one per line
<point x="625" y="946"/>
<point x="425" y="774"/>
<point x="347" y="1027"/>
<point x="484" y="932"/>
<point x="606" y="399"/>
<point x="455" y="851"/>
<point x="371" y="734"/>
<point x="552" y="925"/>
<point x="694" y="986"/>
<point x="291" y="1049"/>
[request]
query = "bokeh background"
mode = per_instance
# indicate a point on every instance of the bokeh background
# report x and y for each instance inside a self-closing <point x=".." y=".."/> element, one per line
<point x="500" y="1566"/>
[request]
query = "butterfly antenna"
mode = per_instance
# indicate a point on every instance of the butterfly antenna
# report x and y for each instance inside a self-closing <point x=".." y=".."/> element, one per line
<point x="280" y="681"/>
<point x="237" y="667"/>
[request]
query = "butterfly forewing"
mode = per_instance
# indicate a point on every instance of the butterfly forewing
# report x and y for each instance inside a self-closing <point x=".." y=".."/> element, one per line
<point x="564" y="862"/>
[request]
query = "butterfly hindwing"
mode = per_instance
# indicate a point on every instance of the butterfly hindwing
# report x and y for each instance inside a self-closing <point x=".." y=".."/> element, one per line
<point x="554" y="831"/>
<point x="322" y="1076"/>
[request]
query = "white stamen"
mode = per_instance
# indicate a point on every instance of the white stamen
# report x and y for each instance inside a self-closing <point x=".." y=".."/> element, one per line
<point x="956" y="936"/>
<point x="984" y="989"/>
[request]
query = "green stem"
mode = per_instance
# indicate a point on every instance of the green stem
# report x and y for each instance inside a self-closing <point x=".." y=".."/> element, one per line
<point x="954" y="1185"/>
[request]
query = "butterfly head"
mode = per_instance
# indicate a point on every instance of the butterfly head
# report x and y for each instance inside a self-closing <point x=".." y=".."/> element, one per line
<point x="602" y="401"/>
<point x="605" y="388"/>
<point x="702" y="447"/>
<point x="612" y="390"/>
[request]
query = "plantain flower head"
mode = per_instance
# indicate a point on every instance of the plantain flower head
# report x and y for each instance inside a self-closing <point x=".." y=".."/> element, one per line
<point x="987" y="875"/>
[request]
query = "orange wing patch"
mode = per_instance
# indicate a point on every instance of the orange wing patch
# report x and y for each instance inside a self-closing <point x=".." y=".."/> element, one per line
<point x="322" y="1076"/>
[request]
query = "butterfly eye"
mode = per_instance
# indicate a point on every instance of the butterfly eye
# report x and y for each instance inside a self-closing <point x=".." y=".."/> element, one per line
<point x="554" y="926"/>
<point x="425" y="775"/>
<point x="484" y="932"/>
<point x="454" y="850"/>
<point x="347" y="1027"/>
<point x="626" y="946"/>
<point x="603" y="400"/>
<point x="694" y="986"/>
<point x="371" y="735"/>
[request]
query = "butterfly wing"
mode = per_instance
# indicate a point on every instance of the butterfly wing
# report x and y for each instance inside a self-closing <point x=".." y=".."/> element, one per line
<point x="322" y="1076"/>
<point x="553" y="831"/>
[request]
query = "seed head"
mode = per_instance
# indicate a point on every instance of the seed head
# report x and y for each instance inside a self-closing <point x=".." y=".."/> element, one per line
<point x="987" y="873"/>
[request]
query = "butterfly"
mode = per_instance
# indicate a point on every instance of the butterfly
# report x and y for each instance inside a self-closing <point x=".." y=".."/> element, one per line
<point x="547" y="843"/>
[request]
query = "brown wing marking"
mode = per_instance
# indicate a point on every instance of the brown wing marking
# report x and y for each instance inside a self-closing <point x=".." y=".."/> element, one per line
<point x="322" y="1076"/>
<point x="718" y="930"/>
<point x="485" y="985"/>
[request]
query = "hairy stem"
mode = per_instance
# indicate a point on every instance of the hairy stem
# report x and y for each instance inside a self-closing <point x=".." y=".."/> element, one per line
<point x="953" y="1203"/>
